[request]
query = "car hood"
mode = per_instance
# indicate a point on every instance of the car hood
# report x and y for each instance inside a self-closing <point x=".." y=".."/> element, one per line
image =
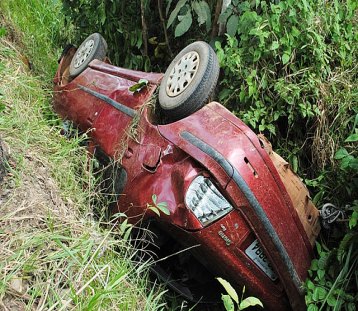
<point x="232" y="153"/>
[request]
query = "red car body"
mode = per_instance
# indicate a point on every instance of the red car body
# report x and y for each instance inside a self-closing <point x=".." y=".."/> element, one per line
<point x="165" y="159"/>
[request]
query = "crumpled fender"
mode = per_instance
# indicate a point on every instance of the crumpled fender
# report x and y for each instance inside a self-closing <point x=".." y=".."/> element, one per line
<point x="232" y="153"/>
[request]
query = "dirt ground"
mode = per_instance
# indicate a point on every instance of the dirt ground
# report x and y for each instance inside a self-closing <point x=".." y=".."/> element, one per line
<point x="26" y="201"/>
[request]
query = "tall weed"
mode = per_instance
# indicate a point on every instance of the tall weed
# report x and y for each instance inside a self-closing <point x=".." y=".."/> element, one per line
<point x="40" y="31"/>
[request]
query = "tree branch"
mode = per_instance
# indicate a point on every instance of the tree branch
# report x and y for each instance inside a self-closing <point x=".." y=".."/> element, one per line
<point x="215" y="29"/>
<point x="162" y="19"/>
<point x="144" y="28"/>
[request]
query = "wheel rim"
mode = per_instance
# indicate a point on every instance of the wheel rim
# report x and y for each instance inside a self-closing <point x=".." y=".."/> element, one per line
<point x="182" y="74"/>
<point x="83" y="53"/>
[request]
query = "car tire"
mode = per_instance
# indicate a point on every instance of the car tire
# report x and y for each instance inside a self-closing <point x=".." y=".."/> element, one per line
<point x="94" y="47"/>
<point x="189" y="82"/>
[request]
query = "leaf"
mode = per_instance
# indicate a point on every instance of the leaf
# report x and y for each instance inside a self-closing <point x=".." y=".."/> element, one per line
<point x="163" y="207"/>
<point x="184" y="25"/>
<point x="331" y="300"/>
<point x="319" y="293"/>
<point x="319" y="248"/>
<point x="312" y="307"/>
<point x="232" y="24"/>
<point x="102" y="14"/>
<point x="139" y="86"/>
<point x="353" y="220"/>
<point x="139" y="40"/>
<point x="127" y="234"/>
<point x="355" y="121"/>
<point x="310" y="285"/>
<point x="346" y="162"/>
<point x="154" y="199"/>
<point x="225" y="15"/>
<point x="199" y="12"/>
<point x="295" y="31"/>
<point x="274" y="46"/>
<point x="228" y="303"/>
<point x="321" y="273"/>
<point x="285" y="58"/>
<point x="205" y="7"/>
<point x="159" y="207"/>
<point x="250" y="302"/>
<point x="314" y="265"/>
<point x="153" y="40"/>
<point x="123" y="226"/>
<point x="154" y="209"/>
<point x="168" y="7"/>
<point x="295" y="164"/>
<point x="175" y="12"/>
<point x="229" y="289"/>
<point x="352" y="138"/>
<point x="341" y="153"/>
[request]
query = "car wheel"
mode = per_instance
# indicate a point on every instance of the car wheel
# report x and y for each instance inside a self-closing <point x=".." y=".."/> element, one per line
<point x="94" y="47"/>
<point x="189" y="81"/>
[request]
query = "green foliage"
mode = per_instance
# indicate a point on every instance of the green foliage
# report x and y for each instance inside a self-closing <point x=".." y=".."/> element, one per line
<point x="278" y="59"/>
<point x="232" y="299"/>
<point x="289" y="71"/>
<point x="158" y="207"/>
<point x="136" y="35"/>
<point x="333" y="278"/>
<point x="348" y="163"/>
<point x="183" y="14"/>
<point x="118" y="21"/>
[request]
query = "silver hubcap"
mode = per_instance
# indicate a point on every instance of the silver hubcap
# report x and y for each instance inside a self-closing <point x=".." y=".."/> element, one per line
<point x="182" y="74"/>
<point x="83" y="53"/>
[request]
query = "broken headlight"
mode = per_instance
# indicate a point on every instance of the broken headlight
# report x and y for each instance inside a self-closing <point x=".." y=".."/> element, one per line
<point x="206" y="201"/>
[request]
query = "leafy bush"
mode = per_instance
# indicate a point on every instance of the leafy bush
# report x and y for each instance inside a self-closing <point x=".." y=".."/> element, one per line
<point x="289" y="71"/>
<point x="333" y="276"/>
<point x="140" y="34"/>
<point x="284" y="61"/>
<point x="118" y="21"/>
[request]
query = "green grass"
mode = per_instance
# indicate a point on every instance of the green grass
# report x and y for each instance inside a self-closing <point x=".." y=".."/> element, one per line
<point x="53" y="255"/>
<point x="40" y="29"/>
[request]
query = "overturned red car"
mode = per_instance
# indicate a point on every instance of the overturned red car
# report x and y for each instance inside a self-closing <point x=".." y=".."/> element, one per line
<point x="232" y="201"/>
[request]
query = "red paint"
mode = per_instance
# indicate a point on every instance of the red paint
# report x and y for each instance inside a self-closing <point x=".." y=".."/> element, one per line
<point x="159" y="161"/>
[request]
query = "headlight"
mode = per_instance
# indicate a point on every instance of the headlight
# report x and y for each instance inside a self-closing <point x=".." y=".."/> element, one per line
<point x="205" y="200"/>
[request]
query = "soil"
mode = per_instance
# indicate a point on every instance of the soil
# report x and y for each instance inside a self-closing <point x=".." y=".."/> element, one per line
<point x="26" y="201"/>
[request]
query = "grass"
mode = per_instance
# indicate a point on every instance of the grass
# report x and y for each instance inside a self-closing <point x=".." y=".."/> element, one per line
<point x="53" y="255"/>
<point x="39" y="30"/>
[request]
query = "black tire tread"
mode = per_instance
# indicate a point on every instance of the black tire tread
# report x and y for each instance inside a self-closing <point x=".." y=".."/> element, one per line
<point x="100" y="53"/>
